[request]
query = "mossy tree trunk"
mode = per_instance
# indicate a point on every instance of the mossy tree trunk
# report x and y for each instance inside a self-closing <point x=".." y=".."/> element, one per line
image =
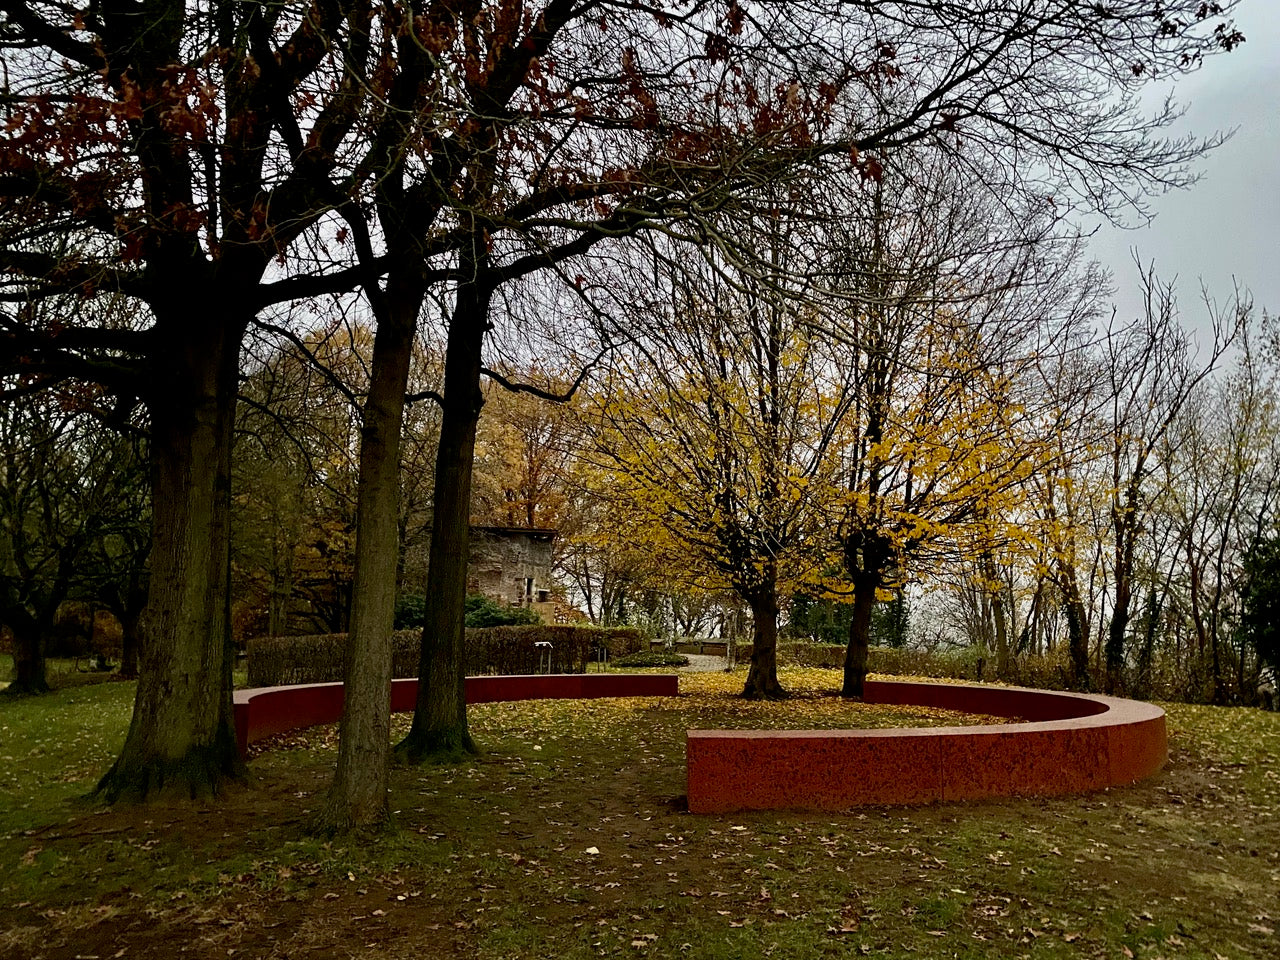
<point x="29" y="671"/>
<point x="1077" y="635"/>
<point x="182" y="735"/>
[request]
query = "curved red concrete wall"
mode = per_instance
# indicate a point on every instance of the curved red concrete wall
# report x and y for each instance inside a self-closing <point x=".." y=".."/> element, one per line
<point x="1072" y="743"/>
<point x="262" y="712"/>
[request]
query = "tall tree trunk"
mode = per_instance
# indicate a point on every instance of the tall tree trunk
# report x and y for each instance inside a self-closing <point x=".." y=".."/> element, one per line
<point x="859" y="646"/>
<point x="281" y="584"/>
<point x="29" y="669"/>
<point x="439" y="727"/>
<point x="1002" y="635"/>
<point x="1077" y="626"/>
<point x="182" y="736"/>
<point x="867" y="561"/>
<point x="126" y="604"/>
<point x="1118" y="628"/>
<point x="358" y="796"/>
<point x="1218" y="695"/>
<point x="998" y="616"/>
<point x="129" y="643"/>
<point x="762" y="676"/>
<point x="1029" y="641"/>
<point x="1077" y="641"/>
<point x="1146" y="653"/>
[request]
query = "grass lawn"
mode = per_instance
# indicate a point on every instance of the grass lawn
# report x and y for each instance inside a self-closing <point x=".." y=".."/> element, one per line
<point x="567" y="839"/>
<point x="61" y="671"/>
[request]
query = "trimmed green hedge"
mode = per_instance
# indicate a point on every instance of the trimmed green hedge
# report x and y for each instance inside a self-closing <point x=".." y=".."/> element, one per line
<point x="511" y="650"/>
<point x="279" y="661"/>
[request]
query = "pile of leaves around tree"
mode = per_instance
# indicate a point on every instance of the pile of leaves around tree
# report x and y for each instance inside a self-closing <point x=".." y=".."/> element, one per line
<point x="505" y="650"/>
<point x="655" y="658"/>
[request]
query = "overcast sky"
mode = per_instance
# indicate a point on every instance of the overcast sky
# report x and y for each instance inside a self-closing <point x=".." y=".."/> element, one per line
<point x="1227" y="227"/>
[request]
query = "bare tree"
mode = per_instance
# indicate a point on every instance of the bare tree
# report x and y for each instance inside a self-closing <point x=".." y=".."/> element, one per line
<point x="1151" y="375"/>
<point x="950" y="298"/>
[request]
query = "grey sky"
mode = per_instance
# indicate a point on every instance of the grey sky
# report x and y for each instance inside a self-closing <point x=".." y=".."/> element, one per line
<point x="1227" y="225"/>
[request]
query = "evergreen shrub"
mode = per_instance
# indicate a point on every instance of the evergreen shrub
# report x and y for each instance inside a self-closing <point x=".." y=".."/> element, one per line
<point x="481" y="611"/>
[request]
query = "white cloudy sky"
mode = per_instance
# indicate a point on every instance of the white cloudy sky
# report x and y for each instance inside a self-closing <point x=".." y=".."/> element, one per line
<point x="1226" y="228"/>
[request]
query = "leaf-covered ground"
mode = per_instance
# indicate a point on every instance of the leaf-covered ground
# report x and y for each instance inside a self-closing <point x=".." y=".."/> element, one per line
<point x="567" y="839"/>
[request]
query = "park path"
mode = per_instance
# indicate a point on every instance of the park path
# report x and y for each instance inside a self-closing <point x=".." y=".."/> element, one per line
<point x="704" y="663"/>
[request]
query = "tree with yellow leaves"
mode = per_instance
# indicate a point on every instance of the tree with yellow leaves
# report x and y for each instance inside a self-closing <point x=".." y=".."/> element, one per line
<point x="950" y="300"/>
<point x="715" y="424"/>
<point x="525" y="447"/>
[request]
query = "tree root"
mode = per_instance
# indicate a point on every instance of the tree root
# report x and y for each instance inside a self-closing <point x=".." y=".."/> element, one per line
<point x="446" y="747"/>
<point x="202" y="772"/>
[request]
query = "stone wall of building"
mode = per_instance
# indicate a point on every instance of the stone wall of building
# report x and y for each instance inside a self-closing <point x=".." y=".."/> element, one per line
<point x="511" y="565"/>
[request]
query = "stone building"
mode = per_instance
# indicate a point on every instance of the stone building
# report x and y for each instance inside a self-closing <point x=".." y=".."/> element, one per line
<point x="512" y="565"/>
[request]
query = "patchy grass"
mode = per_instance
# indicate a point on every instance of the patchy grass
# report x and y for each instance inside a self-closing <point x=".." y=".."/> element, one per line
<point x="54" y="748"/>
<point x="567" y="839"/>
<point x="59" y="671"/>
